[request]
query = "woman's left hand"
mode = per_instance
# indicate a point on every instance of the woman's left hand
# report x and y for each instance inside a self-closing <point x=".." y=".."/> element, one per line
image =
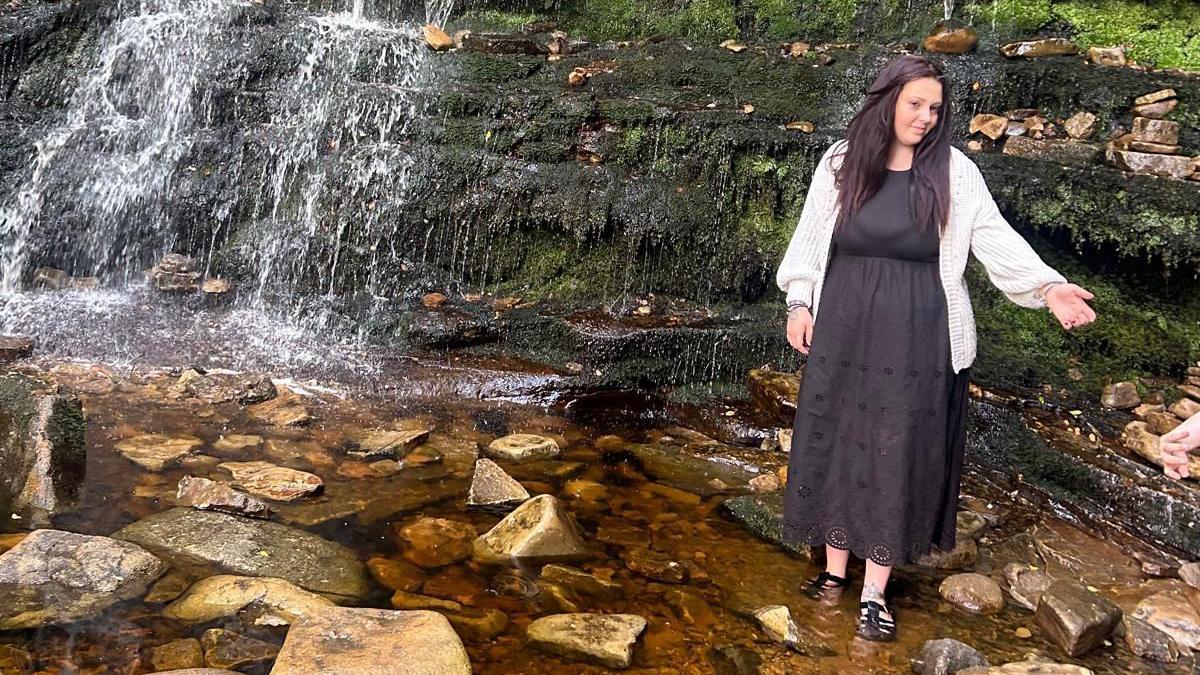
<point x="1067" y="301"/>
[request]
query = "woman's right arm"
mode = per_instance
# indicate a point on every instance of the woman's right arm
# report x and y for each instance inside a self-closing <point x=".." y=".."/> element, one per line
<point x="797" y="274"/>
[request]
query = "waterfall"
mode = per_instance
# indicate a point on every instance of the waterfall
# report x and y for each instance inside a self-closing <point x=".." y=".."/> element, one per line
<point x="947" y="9"/>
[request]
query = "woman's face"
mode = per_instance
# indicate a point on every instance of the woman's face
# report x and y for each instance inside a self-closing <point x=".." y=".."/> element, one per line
<point x="917" y="110"/>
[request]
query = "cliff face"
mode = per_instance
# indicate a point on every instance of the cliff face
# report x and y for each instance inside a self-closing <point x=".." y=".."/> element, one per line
<point x="318" y="156"/>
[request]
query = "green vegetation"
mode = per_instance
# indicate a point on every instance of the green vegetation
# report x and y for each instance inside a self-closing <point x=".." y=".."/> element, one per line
<point x="631" y="19"/>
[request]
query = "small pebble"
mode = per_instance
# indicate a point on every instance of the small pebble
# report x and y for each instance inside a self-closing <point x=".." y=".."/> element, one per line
<point x="1024" y="633"/>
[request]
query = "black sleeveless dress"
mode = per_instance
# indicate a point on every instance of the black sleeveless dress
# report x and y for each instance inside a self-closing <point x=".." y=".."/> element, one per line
<point x="878" y="441"/>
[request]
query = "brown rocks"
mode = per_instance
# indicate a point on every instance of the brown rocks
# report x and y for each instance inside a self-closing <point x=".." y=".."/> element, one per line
<point x="803" y="126"/>
<point x="344" y="641"/>
<point x="1121" y="395"/>
<point x="767" y="482"/>
<point x="1107" y="56"/>
<point x="229" y="650"/>
<point x="491" y="487"/>
<point x="177" y="654"/>
<point x="1149" y="642"/>
<point x="216" y="287"/>
<point x="992" y="126"/>
<point x="774" y="392"/>
<point x="521" y="447"/>
<point x="436" y="38"/>
<point x="43" y="454"/>
<point x="945" y="656"/>
<point x="202" y="493"/>
<point x="405" y="600"/>
<point x="1190" y="573"/>
<point x="1184" y="408"/>
<point x="1176" y="613"/>
<point x="270" y="602"/>
<point x="436" y="542"/>
<point x="433" y="299"/>
<point x="478" y="625"/>
<point x="975" y="593"/>
<point x="273" y="482"/>
<point x="175" y="273"/>
<point x="605" y="639"/>
<point x="1039" y="48"/>
<point x="1063" y="152"/>
<point x="285" y="410"/>
<point x="396" y="575"/>
<point x="157" y="451"/>
<point x="733" y="46"/>
<point x="215" y="388"/>
<point x="1157" y="110"/>
<point x="1075" y="618"/>
<point x="538" y="530"/>
<point x="236" y="444"/>
<point x="1154" y="97"/>
<point x="1026" y="584"/>
<point x="960" y="557"/>
<point x="15" y="347"/>
<point x="776" y="621"/>
<point x="1080" y="125"/>
<point x="1164" y="132"/>
<point x="1189" y="390"/>
<point x="656" y="566"/>
<point x="386" y="443"/>
<point x="1138" y="438"/>
<point x="950" y="37"/>
<point x="1159" y="423"/>
<point x="580" y="582"/>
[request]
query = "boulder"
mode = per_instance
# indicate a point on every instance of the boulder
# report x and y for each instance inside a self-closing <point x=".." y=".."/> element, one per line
<point x="1176" y="613"/>
<point x="436" y="542"/>
<point x="776" y="621"/>
<point x="273" y="482"/>
<point x="1075" y="618"/>
<point x="1031" y="49"/>
<point x="208" y="542"/>
<point x="273" y="602"/>
<point x="775" y="393"/>
<point x="55" y="577"/>
<point x="491" y="487"/>
<point x="202" y="493"/>
<point x="1170" y="166"/>
<point x="243" y="388"/>
<point x="1026" y="584"/>
<point x="15" y="347"/>
<point x="945" y="656"/>
<point x="178" y="654"/>
<point x="43" y="456"/>
<point x="604" y="639"/>
<point x="950" y="37"/>
<point x="1122" y="395"/>
<point x="156" y="452"/>
<point x="175" y="273"/>
<point x="1149" y="642"/>
<point x="342" y="641"/>
<point x="540" y="530"/>
<point x="521" y="447"/>
<point x="975" y="593"/>
<point x="229" y="650"/>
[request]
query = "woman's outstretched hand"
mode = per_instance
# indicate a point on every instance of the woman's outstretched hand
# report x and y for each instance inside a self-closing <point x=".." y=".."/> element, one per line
<point x="1068" y="303"/>
<point x="1176" y="445"/>
<point x="799" y="329"/>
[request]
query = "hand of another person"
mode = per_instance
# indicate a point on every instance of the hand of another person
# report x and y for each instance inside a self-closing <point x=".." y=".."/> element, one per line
<point x="799" y="329"/>
<point x="1067" y="302"/>
<point x="1176" y="445"/>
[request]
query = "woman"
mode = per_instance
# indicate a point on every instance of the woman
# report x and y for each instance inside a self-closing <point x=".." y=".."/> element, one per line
<point x="890" y="217"/>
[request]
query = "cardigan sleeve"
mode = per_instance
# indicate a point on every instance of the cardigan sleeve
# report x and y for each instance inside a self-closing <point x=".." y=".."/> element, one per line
<point x="1011" y="263"/>
<point x="801" y="263"/>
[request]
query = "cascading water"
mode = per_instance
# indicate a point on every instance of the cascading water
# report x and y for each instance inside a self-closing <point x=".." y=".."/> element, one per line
<point x="321" y="166"/>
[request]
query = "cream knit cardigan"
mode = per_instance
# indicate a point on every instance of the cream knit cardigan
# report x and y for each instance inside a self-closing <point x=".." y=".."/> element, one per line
<point x="975" y="226"/>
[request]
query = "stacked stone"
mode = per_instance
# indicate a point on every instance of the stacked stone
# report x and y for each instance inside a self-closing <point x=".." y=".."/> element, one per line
<point x="1153" y="145"/>
<point x="1156" y="419"/>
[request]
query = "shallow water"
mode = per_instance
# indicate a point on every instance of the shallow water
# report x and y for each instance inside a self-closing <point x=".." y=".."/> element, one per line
<point x="672" y="508"/>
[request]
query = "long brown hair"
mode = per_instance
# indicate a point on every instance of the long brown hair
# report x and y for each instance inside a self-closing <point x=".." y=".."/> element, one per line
<point x="869" y="137"/>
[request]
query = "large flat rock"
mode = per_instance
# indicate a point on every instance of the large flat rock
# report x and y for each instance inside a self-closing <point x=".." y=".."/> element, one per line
<point x="345" y="641"/>
<point x="209" y="542"/>
<point x="54" y="577"/>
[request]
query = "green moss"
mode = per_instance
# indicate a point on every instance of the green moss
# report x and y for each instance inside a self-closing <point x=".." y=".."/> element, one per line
<point x="627" y="19"/>
<point x="495" y="68"/>
<point x="1023" y="14"/>
<point x="831" y="19"/>
<point x="775" y="18"/>
<point x="496" y="20"/>
<point x="1164" y="32"/>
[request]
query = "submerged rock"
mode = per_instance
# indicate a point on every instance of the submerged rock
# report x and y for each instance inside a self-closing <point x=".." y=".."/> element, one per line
<point x="972" y="592"/>
<point x="273" y="482"/>
<point x="580" y="582"/>
<point x="209" y="542"/>
<point x="341" y="641"/>
<point x="436" y="542"/>
<point x="478" y="625"/>
<point x="540" y="530"/>
<point x="386" y="443"/>
<point x="945" y="656"/>
<point x="15" y="347"/>
<point x="56" y="577"/>
<point x="777" y="622"/>
<point x="1026" y="584"/>
<point x="285" y="410"/>
<point x="43" y="456"/>
<point x="156" y="452"/>
<point x="244" y="388"/>
<point x="202" y="493"/>
<point x="493" y="488"/>
<point x="274" y="602"/>
<point x="520" y="447"/>
<point x="606" y="639"/>
<point x="178" y="654"/>
<point x="229" y="650"/>
<point x="1149" y="642"/>
<point x="1075" y="618"/>
<point x="1176" y="613"/>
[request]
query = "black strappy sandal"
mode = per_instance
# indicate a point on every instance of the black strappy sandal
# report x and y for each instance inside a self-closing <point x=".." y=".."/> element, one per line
<point x="821" y="585"/>
<point x="872" y="625"/>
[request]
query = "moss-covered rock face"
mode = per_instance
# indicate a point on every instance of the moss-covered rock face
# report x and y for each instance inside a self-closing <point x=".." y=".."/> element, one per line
<point x="42" y="451"/>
